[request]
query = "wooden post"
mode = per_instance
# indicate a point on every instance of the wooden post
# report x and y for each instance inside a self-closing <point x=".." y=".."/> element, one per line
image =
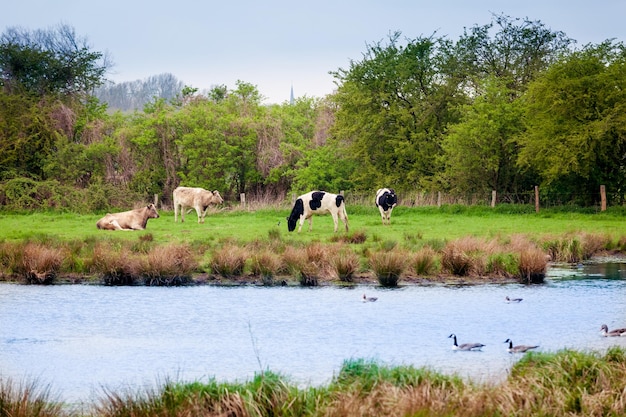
<point x="493" y="198"/>
<point x="603" y="198"/>
<point x="438" y="198"/>
<point x="537" y="198"/>
<point x="242" y="198"/>
<point x="156" y="200"/>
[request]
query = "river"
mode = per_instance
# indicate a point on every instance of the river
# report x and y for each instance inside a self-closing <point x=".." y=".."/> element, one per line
<point x="81" y="339"/>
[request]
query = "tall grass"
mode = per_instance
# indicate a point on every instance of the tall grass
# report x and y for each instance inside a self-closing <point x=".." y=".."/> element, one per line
<point x="564" y="383"/>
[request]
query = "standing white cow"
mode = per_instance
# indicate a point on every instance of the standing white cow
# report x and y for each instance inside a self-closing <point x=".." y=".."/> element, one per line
<point x="317" y="202"/>
<point x="195" y="197"/>
<point x="386" y="200"/>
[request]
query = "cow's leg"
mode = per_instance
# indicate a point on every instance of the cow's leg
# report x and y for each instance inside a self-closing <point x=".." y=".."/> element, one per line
<point x="310" y="222"/>
<point x="335" y="220"/>
<point x="199" y="213"/>
<point x="182" y="213"/>
<point x="302" y="218"/>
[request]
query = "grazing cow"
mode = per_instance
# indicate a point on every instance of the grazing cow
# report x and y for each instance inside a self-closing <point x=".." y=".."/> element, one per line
<point x="317" y="202"/>
<point x="386" y="200"/>
<point x="198" y="198"/>
<point x="128" y="220"/>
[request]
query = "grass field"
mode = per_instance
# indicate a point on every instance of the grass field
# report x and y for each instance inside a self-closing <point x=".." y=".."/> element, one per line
<point x="423" y="223"/>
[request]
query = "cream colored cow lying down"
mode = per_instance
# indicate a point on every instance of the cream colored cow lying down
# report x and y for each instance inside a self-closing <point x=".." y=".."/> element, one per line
<point x="197" y="198"/>
<point x="128" y="220"/>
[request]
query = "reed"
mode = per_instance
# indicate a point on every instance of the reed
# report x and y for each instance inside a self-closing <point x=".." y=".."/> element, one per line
<point x="115" y="263"/>
<point x="266" y="264"/>
<point x="533" y="264"/>
<point x="28" y="400"/>
<point x="464" y="256"/>
<point x="344" y="263"/>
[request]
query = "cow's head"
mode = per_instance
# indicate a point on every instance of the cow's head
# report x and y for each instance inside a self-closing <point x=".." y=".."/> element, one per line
<point x="152" y="212"/>
<point x="217" y="198"/>
<point x="296" y="212"/>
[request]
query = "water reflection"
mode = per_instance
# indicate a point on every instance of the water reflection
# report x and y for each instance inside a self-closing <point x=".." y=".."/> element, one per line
<point x="80" y="338"/>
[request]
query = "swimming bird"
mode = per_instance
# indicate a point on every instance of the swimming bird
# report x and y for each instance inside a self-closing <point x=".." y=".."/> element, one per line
<point x="518" y="348"/>
<point x="369" y="299"/>
<point x="604" y="331"/>
<point x="465" y="346"/>
<point x="513" y="300"/>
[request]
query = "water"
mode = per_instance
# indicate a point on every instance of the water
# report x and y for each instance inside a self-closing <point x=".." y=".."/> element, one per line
<point x="81" y="339"/>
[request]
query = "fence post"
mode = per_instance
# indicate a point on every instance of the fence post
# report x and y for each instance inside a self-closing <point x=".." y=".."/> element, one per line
<point x="537" y="198"/>
<point x="603" y="198"/>
<point x="438" y="198"/>
<point x="156" y="200"/>
<point x="242" y="198"/>
<point x="493" y="198"/>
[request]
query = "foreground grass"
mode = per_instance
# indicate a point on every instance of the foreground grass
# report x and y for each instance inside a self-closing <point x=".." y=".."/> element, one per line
<point x="508" y="242"/>
<point x="565" y="383"/>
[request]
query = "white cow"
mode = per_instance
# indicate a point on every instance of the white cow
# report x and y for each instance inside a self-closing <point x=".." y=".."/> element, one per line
<point x="386" y="200"/>
<point x="128" y="220"/>
<point x="317" y="202"/>
<point x="197" y="198"/>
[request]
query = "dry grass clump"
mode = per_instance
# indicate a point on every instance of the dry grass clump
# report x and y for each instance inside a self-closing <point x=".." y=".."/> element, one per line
<point x="38" y="263"/>
<point x="576" y="248"/>
<point x="465" y="256"/>
<point x="344" y="263"/>
<point x="424" y="262"/>
<point x="355" y="237"/>
<point x="266" y="264"/>
<point x="171" y="264"/>
<point x="230" y="260"/>
<point x="388" y="266"/>
<point x="115" y="262"/>
<point x="533" y="264"/>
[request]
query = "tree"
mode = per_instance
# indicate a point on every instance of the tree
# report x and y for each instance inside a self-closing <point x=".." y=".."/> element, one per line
<point x="393" y="108"/>
<point x="51" y="61"/>
<point x="576" y="122"/>
<point x="480" y="151"/>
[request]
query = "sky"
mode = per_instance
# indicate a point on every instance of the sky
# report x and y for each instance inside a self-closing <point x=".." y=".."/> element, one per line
<point x="278" y="45"/>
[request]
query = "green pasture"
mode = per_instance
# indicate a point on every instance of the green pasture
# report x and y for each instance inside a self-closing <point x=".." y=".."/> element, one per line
<point x="414" y="223"/>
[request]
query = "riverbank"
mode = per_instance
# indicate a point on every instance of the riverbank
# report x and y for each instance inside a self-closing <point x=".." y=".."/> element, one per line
<point x="448" y="244"/>
<point x="557" y="384"/>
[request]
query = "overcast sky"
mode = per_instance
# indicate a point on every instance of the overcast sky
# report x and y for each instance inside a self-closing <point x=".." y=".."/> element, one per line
<point x="275" y="44"/>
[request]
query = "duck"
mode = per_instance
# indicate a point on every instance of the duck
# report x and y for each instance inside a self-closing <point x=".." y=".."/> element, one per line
<point x="518" y="348"/>
<point x="604" y="331"/>
<point x="369" y="299"/>
<point x="465" y="346"/>
<point x="513" y="300"/>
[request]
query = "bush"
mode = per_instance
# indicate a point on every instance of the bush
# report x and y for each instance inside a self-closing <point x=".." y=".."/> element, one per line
<point x="388" y="266"/>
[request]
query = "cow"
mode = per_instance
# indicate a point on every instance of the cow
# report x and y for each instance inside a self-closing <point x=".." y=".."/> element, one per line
<point x="386" y="200"/>
<point x="128" y="220"/>
<point x="317" y="202"/>
<point x="195" y="197"/>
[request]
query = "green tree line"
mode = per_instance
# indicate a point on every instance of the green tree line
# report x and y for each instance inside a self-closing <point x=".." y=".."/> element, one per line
<point x="507" y="106"/>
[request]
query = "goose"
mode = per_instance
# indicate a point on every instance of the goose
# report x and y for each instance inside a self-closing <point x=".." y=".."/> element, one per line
<point x="616" y="332"/>
<point x="369" y="299"/>
<point x="465" y="346"/>
<point x="518" y="348"/>
<point x="513" y="300"/>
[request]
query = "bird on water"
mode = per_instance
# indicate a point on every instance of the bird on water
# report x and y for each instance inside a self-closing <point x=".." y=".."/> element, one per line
<point x="465" y="346"/>
<point x="513" y="300"/>
<point x="604" y="331"/>
<point x="519" y="348"/>
<point x="369" y="299"/>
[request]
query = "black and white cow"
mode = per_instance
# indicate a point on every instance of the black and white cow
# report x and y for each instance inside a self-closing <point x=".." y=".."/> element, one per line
<point x="386" y="200"/>
<point x="317" y="202"/>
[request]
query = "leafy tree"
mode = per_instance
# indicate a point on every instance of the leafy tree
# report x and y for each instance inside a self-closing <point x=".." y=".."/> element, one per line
<point x="393" y="108"/>
<point x="480" y="151"/>
<point x="576" y="122"/>
<point x="51" y="61"/>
